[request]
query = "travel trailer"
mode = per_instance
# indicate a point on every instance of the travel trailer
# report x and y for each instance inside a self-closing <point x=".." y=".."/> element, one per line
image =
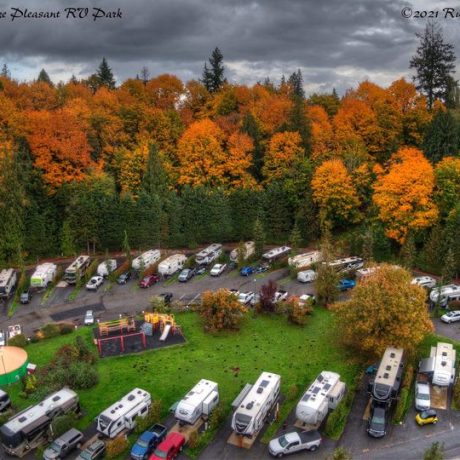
<point x="347" y="264"/>
<point x="122" y="414"/>
<point x="304" y="260"/>
<point x="449" y="293"/>
<point x="209" y="254"/>
<point x="76" y="269"/>
<point x="248" y="251"/>
<point x="146" y="259"/>
<point x="306" y="276"/>
<point x="252" y="411"/>
<point x="43" y="275"/>
<point x="276" y="253"/>
<point x="440" y="366"/>
<point x="172" y="264"/>
<point x="323" y="394"/>
<point x="8" y="279"/>
<point x="30" y="428"/>
<point x="198" y="402"/>
<point x="105" y="268"/>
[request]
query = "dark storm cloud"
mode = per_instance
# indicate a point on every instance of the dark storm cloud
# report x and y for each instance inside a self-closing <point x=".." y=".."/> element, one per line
<point x="334" y="42"/>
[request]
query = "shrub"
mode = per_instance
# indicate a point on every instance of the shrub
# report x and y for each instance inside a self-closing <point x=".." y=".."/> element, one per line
<point x="115" y="447"/>
<point x="434" y="452"/>
<point x="193" y="439"/>
<point x="35" y="338"/>
<point x="336" y="420"/>
<point x="90" y="271"/>
<point x="217" y="416"/>
<point x="19" y="340"/>
<point x="292" y="392"/>
<point x="158" y="305"/>
<point x="82" y="376"/>
<point x="456" y="395"/>
<point x="51" y="330"/>
<point x="84" y="352"/>
<point x="39" y="452"/>
<point x="267" y="293"/>
<point x="401" y="405"/>
<point x="340" y="454"/>
<point x="153" y="416"/>
<point x="297" y="314"/>
<point x="29" y="383"/>
<point x="63" y="423"/>
<point x="66" y="328"/>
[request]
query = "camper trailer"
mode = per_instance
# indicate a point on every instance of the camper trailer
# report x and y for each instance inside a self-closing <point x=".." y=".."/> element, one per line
<point x="30" y="428"/>
<point x="172" y="264"/>
<point x="199" y="401"/>
<point x="347" y="264"/>
<point x="306" y="276"/>
<point x="209" y="254"/>
<point x="146" y="259"/>
<point x="252" y="411"/>
<point x="304" y="260"/>
<point x="76" y="269"/>
<point x="248" y="251"/>
<point x="44" y="274"/>
<point x="122" y="414"/>
<point x="276" y="253"/>
<point x="8" y="279"/>
<point x="323" y="394"/>
<point x="449" y="293"/>
<point x="444" y="356"/>
<point x="105" y="268"/>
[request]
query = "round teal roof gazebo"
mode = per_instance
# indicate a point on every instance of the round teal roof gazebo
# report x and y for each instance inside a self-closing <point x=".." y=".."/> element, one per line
<point x="13" y="364"/>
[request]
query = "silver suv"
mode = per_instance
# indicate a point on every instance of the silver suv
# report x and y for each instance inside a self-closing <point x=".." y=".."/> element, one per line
<point x="61" y="446"/>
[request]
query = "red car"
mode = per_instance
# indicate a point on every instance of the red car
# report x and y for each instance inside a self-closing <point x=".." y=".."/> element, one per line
<point x="169" y="448"/>
<point x="148" y="281"/>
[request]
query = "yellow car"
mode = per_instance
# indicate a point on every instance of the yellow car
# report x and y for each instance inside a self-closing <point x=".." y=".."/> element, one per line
<point x="426" y="417"/>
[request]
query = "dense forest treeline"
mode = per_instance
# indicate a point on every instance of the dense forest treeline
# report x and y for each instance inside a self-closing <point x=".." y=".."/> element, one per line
<point x="179" y="164"/>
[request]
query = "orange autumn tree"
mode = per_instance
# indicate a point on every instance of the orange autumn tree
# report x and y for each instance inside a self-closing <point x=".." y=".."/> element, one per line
<point x="322" y="147"/>
<point x="404" y="194"/>
<point x="132" y="167"/>
<point x="335" y="194"/>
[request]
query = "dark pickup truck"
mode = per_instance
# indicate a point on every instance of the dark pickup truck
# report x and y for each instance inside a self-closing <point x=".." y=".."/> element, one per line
<point x="147" y="442"/>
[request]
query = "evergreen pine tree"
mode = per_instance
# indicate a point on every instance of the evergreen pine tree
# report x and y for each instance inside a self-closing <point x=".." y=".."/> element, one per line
<point x="441" y="137"/>
<point x="408" y="252"/>
<point x="448" y="269"/>
<point x="67" y="240"/>
<point x="213" y="76"/>
<point x="127" y="248"/>
<point x="155" y="180"/>
<point x="105" y="75"/>
<point x="295" y="82"/>
<point x="5" y="71"/>
<point x="145" y="75"/>
<point x="295" y="239"/>
<point x="251" y="128"/>
<point x="298" y="121"/>
<point x="327" y="277"/>
<point x="368" y="244"/>
<point x="44" y="77"/>
<point x="259" y="238"/>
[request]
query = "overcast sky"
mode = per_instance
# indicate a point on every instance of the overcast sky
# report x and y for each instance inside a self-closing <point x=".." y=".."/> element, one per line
<point x="336" y="43"/>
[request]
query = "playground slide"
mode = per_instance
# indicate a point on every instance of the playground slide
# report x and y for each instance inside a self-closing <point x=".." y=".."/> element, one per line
<point x="165" y="334"/>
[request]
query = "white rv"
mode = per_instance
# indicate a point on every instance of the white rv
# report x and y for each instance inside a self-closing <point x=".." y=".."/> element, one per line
<point x="306" y="276"/>
<point x="146" y="259"/>
<point x="199" y="401"/>
<point x="209" y="254"/>
<point x="30" y="428"/>
<point x="8" y="279"/>
<point x="122" y="414"/>
<point x="449" y="292"/>
<point x="76" y="269"/>
<point x="172" y="264"/>
<point x="323" y="394"/>
<point x="366" y="272"/>
<point x="252" y="411"/>
<point x="44" y="274"/>
<point x="276" y="253"/>
<point x="105" y="268"/>
<point x="304" y="260"/>
<point x="347" y="264"/>
<point x="444" y="364"/>
<point x="249" y="249"/>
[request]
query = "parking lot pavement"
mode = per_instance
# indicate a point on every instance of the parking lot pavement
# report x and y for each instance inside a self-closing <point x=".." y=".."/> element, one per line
<point x="447" y="330"/>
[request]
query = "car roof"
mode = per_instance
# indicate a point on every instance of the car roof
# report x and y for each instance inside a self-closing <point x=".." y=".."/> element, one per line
<point x="171" y="439"/>
<point x="429" y="412"/>
<point x="94" y="445"/>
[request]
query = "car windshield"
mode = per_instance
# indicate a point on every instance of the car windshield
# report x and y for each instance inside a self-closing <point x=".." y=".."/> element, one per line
<point x="426" y="414"/>
<point x="160" y="453"/>
<point x="142" y="443"/>
<point x="423" y="396"/>
<point x="86" y="455"/>
<point x="377" y="420"/>
<point x="55" y="447"/>
<point x="283" y="441"/>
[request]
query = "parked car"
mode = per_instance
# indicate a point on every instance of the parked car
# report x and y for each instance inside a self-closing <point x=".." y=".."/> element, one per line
<point x="246" y="271"/>
<point x="94" y="451"/>
<point x="218" y="269"/>
<point x="245" y="297"/>
<point x="61" y="446"/>
<point x="306" y="298"/>
<point x="262" y="268"/>
<point x="124" y="277"/>
<point x="422" y="396"/>
<point x="186" y="274"/>
<point x="26" y="296"/>
<point x="94" y="283"/>
<point x="427" y="417"/>
<point x="169" y="448"/>
<point x="295" y="441"/>
<point x="255" y="300"/>
<point x="231" y="266"/>
<point x="149" y="280"/>
<point x="346" y="284"/>
<point x="451" y="317"/>
<point x="425" y="281"/>
<point x="377" y="423"/>
<point x="89" y="318"/>
<point x="166" y="296"/>
<point x="280" y="295"/>
<point x="147" y="442"/>
<point x="200" y="269"/>
<point x="2" y="339"/>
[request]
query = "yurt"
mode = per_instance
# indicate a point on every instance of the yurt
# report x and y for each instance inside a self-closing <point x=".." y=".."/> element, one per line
<point x="13" y="364"/>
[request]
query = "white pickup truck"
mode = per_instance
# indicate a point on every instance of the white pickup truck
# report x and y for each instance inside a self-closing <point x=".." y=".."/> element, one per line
<point x="280" y="296"/>
<point x="295" y="441"/>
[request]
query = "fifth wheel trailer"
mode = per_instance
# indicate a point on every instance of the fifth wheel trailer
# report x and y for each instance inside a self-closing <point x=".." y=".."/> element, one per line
<point x="172" y="264"/>
<point x="146" y="259"/>
<point x="8" y="279"/>
<point x="248" y="250"/>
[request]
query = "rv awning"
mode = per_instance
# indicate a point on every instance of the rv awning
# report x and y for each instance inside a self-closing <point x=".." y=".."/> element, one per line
<point x="241" y="396"/>
<point x="44" y="420"/>
<point x="426" y="366"/>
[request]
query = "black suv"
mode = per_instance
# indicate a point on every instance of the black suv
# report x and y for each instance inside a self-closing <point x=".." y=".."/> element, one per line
<point x="124" y="278"/>
<point x="377" y="423"/>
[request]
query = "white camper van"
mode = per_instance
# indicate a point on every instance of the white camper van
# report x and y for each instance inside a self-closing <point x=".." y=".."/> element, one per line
<point x="444" y="364"/>
<point x="323" y="394"/>
<point x="8" y="279"/>
<point x="44" y="274"/>
<point x="449" y="293"/>
<point x="76" y="269"/>
<point x="276" y="253"/>
<point x="306" y="276"/>
<point x="199" y="401"/>
<point x="172" y="264"/>
<point x="122" y="415"/>
<point x="252" y="411"/>
<point x="209" y="254"/>
<point x="304" y="260"/>
<point x="249" y="249"/>
<point x="146" y="259"/>
<point x="105" y="268"/>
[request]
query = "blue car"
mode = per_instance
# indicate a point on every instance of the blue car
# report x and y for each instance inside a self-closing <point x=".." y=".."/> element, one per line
<point x="345" y="285"/>
<point x="147" y="442"/>
<point x="246" y="271"/>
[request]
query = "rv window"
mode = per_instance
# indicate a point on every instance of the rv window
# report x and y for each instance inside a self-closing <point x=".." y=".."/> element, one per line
<point x="144" y="410"/>
<point x="56" y="398"/>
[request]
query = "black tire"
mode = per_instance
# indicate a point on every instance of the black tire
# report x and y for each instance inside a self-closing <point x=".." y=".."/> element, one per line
<point x="280" y="455"/>
<point x="434" y="422"/>
<point x="313" y="448"/>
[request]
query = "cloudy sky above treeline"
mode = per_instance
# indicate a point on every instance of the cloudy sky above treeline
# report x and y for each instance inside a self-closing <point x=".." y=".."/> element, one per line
<point x="336" y="43"/>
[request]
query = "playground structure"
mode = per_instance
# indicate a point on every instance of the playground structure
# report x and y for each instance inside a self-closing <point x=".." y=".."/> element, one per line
<point x="165" y="323"/>
<point x="118" y="325"/>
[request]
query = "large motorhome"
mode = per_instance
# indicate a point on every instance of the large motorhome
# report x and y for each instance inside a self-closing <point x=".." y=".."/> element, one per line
<point x="323" y="394"/>
<point x="248" y="251"/>
<point x="199" y="401"/>
<point x="44" y="275"/>
<point x="122" y="414"/>
<point x="172" y="264"/>
<point x="30" y="428"/>
<point x="440" y="366"/>
<point x="347" y="264"/>
<point x="304" y="260"/>
<point x="76" y="269"/>
<point x="209" y="254"/>
<point x="251" y="413"/>
<point x="276" y="253"/>
<point x="8" y="279"/>
<point x="146" y="259"/>
<point x="449" y="293"/>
